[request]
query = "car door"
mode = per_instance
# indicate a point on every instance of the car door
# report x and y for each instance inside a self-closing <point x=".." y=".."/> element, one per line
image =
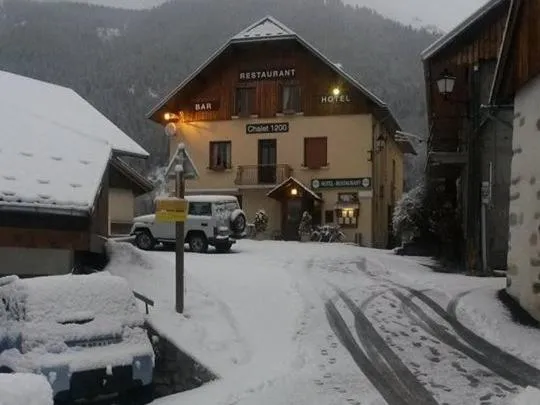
<point x="199" y="217"/>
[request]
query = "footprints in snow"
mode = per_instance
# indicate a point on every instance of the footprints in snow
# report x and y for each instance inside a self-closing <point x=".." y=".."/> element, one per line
<point x="327" y="376"/>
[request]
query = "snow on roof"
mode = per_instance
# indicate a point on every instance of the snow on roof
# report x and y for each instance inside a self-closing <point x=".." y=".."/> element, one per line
<point x="443" y="41"/>
<point x="46" y="166"/>
<point x="294" y="181"/>
<point x="65" y="107"/>
<point x="210" y="198"/>
<point x="268" y="27"/>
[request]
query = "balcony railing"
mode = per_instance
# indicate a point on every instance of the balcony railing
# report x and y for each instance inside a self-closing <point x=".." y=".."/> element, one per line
<point x="260" y="175"/>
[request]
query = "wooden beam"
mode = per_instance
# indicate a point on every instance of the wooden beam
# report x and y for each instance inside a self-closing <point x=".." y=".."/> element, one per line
<point x="44" y="238"/>
<point x="458" y="158"/>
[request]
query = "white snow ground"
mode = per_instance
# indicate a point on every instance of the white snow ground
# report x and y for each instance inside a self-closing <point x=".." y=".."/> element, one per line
<point x="25" y="389"/>
<point x="259" y="318"/>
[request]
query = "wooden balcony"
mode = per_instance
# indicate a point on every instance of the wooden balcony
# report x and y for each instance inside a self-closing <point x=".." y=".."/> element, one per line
<point x="262" y="175"/>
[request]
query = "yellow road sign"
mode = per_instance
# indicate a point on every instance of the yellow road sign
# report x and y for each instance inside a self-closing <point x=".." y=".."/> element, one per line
<point x="171" y="209"/>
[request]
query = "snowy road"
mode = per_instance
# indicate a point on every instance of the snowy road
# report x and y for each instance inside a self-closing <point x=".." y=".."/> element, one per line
<point x="289" y="323"/>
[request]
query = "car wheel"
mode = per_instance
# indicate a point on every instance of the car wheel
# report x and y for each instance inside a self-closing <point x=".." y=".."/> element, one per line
<point x="239" y="224"/>
<point x="198" y="243"/>
<point x="145" y="241"/>
<point x="224" y="248"/>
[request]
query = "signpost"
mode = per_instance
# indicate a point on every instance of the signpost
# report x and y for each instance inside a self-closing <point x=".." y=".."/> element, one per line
<point x="175" y="209"/>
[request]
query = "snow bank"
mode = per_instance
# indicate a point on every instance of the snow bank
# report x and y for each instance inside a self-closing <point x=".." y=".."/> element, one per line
<point x="25" y="389"/>
<point x="530" y="396"/>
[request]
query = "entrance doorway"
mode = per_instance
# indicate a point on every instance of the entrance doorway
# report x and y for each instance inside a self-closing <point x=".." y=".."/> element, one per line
<point x="267" y="161"/>
<point x="292" y="215"/>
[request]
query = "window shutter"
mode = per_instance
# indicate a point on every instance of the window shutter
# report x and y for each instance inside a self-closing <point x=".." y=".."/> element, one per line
<point x="315" y="152"/>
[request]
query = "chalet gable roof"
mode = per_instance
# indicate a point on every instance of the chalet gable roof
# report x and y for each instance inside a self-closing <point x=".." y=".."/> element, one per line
<point x="63" y="106"/>
<point x="54" y="148"/>
<point x="269" y="28"/>
<point x="460" y="29"/>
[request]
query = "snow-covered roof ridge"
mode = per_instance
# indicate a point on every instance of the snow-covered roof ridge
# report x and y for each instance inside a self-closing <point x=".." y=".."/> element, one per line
<point x="266" y="27"/>
<point x="63" y="105"/>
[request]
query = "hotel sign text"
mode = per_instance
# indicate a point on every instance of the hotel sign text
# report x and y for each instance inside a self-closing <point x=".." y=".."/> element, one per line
<point x="331" y="99"/>
<point x="269" y="128"/>
<point x="268" y="74"/>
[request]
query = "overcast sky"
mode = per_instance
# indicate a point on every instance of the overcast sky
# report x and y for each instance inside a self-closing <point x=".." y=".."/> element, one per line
<point x="444" y="14"/>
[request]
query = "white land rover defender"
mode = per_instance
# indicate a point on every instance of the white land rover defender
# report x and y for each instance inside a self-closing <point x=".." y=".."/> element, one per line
<point x="213" y="220"/>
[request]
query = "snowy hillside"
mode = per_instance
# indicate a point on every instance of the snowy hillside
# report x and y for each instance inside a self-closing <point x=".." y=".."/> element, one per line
<point x="131" y="4"/>
<point x="420" y="13"/>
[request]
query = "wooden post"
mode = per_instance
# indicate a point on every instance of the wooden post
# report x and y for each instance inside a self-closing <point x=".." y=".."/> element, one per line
<point x="180" y="191"/>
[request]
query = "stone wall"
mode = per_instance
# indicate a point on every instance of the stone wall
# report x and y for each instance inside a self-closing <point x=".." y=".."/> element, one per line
<point x="524" y="255"/>
<point x="175" y="371"/>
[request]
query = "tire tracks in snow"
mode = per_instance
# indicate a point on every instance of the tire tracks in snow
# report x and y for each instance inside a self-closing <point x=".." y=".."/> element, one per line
<point x="383" y="383"/>
<point x="514" y="363"/>
<point x="439" y="332"/>
<point x="385" y="360"/>
<point x="502" y="363"/>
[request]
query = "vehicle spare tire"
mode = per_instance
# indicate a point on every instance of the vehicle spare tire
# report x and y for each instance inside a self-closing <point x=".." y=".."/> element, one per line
<point x="238" y="221"/>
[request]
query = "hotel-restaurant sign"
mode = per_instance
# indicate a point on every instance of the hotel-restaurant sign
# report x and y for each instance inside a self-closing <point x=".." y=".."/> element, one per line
<point x="363" y="183"/>
<point x="267" y="74"/>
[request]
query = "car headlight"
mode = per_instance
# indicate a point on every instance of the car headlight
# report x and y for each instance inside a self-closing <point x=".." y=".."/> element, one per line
<point x="143" y="369"/>
<point x="58" y="378"/>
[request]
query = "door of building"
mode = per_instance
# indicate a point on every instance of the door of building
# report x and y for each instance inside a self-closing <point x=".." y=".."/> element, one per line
<point x="267" y="161"/>
<point x="293" y="208"/>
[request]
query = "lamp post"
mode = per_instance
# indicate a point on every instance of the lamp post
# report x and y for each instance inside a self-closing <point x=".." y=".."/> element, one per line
<point x="171" y="131"/>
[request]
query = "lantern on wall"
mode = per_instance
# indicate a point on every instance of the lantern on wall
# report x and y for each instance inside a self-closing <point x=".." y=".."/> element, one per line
<point x="446" y="83"/>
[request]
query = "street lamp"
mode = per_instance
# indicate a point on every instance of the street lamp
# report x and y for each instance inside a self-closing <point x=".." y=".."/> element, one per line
<point x="445" y="83"/>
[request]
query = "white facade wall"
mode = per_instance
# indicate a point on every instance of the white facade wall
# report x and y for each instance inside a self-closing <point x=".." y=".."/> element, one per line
<point x="524" y="255"/>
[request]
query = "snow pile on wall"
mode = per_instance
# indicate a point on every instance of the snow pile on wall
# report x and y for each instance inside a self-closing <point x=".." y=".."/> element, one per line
<point x="530" y="396"/>
<point x="25" y="389"/>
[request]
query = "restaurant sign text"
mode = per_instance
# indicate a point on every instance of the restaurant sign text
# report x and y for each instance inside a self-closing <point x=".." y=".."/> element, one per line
<point x="361" y="183"/>
<point x="268" y="74"/>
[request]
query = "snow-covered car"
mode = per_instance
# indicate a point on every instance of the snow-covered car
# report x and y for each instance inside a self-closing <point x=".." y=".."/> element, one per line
<point x="83" y="333"/>
<point x="212" y="220"/>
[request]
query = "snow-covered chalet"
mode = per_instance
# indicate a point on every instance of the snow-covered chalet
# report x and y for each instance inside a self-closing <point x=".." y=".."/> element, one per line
<point x="273" y="121"/>
<point x="63" y="185"/>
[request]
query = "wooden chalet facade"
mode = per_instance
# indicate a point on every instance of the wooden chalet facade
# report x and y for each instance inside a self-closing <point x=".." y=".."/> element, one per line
<point x="270" y="119"/>
<point x="517" y="83"/>
<point x="469" y="144"/>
